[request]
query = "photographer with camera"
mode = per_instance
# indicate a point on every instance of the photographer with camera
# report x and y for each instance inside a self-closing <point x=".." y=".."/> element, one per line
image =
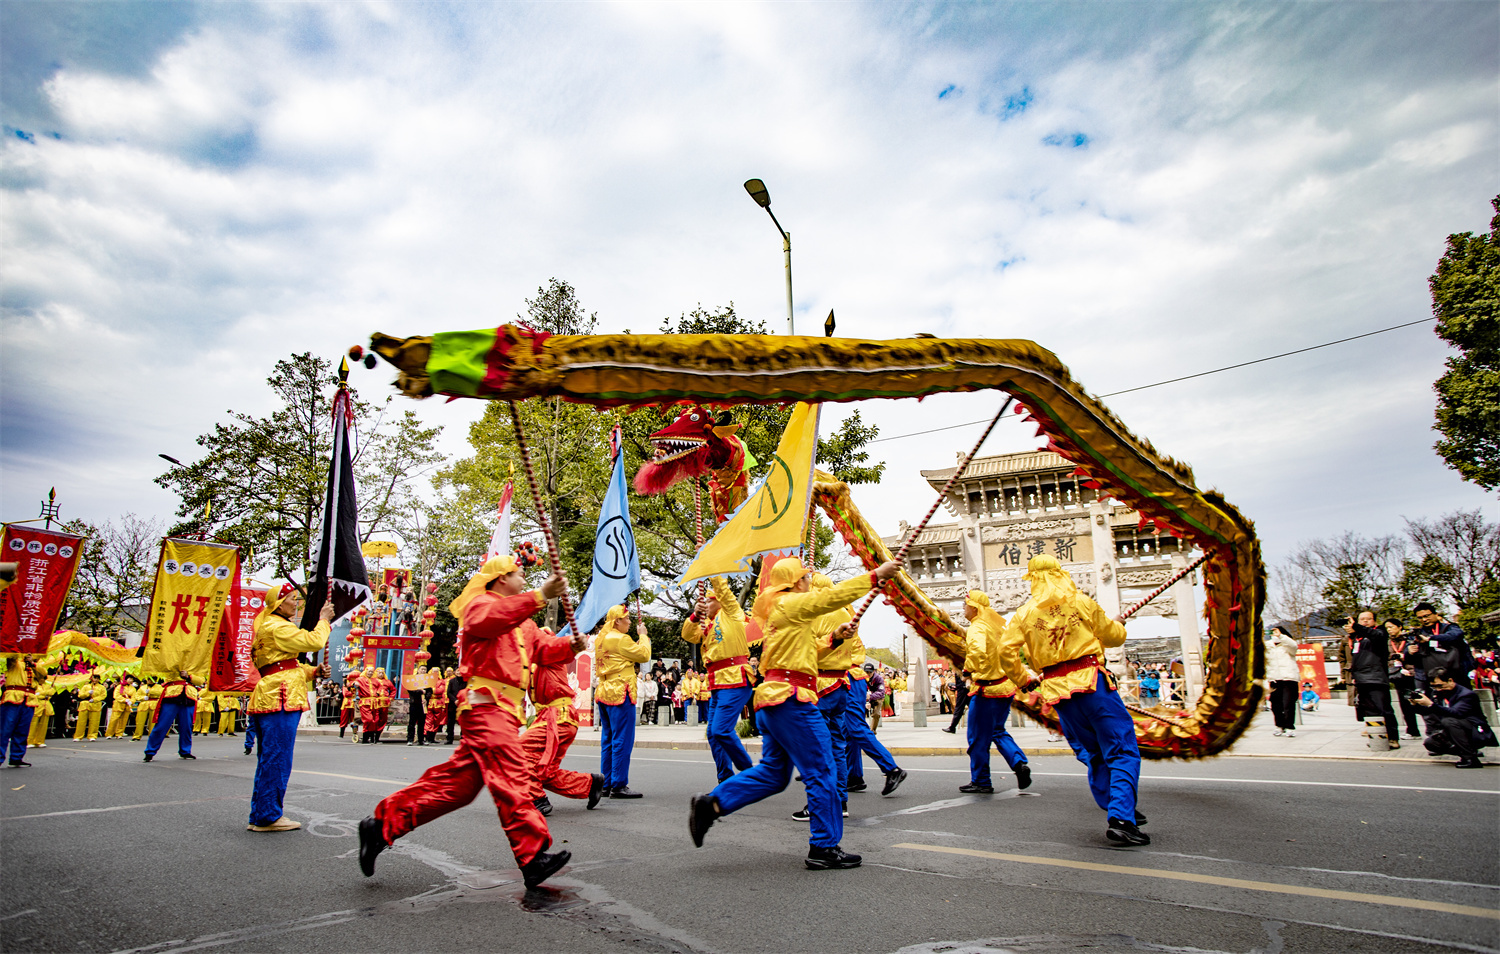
<point x="1445" y="646"/>
<point x="1370" y="650"/>
<point x="1456" y="724"/>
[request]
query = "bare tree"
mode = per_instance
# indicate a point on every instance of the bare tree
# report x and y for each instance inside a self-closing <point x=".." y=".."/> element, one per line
<point x="116" y="572"/>
<point x="1458" y="553"/>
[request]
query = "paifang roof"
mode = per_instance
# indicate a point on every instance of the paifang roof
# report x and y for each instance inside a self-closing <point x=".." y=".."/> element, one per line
<point x="999" y="465"/>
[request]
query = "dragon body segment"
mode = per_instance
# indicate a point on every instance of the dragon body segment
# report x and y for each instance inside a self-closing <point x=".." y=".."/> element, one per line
<point x="513" y="362"/>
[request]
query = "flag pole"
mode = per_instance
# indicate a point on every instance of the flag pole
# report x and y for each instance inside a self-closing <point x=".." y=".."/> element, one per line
<point x="541" y="514"/>
<point x="942" y="495"/>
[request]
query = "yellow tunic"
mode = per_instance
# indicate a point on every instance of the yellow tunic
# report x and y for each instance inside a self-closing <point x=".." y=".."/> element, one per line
<point x="41" y="713"/>
<point x="278" y="639"/>
<point x="839" y="657"/>
<point x="18" y="686"/>
<point x="183" y="688"/>
<point x="1079" y="629"/>
<point x="982" y="656"/>
<point x="616" y="655"/>
<point x="792" y="640"/>
<point x="723" y="638"/>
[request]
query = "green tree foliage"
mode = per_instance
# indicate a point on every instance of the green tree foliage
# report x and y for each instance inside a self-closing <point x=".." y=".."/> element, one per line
<point x="265" y="477"/>
<point x="1466" y="303"/>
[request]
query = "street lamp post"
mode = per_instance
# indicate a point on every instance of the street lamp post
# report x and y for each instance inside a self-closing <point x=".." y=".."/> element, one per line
<point x="762" y="197"/>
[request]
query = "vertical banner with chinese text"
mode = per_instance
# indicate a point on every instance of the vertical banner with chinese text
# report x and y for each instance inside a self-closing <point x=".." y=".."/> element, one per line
<point x="193" y="584"/>
<point x="233" y="670"/>
<point x="1311" y="669"/>
<point x="46" y="561"/>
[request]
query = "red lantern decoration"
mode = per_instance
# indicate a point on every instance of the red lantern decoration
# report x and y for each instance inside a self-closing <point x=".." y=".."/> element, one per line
<point x="432" y="601"/>
<point x="432" y="587"/>
<point x="429" y="615"/>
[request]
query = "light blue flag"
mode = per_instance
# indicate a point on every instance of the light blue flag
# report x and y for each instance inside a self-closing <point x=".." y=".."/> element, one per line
<point x="617" y="566"/>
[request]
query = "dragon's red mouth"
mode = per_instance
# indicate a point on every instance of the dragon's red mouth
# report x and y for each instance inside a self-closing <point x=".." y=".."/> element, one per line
<point x="672" y="448"/>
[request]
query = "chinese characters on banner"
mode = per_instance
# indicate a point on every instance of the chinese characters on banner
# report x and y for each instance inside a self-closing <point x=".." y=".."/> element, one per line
<point x="193" y="584"/>
<point x="45" y="563"/>
<point x="1310" y="668"/>
<point x="232" y="669"/>
<point x="1019" y="553"/>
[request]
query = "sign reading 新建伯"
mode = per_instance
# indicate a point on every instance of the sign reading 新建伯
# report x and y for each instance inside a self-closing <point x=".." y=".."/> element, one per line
<point x="45" y="563"/>
<point x="193" y="584"/>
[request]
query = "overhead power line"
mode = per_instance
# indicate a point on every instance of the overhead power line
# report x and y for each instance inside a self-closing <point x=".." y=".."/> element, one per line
<point x="1186" y="377"/>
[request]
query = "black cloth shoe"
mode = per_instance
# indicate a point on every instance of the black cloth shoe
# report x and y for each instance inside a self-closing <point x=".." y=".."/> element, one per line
<point x="187" y="755"/>
<point x="544" y="866"/>
<point x="846" y="809"/>
<point x="247" y="750"/>
<point x="892" y="782"/>
<point x="857" y="783"/>
<point x="543" y="805"/>
<point x="703" y="811"/>
<point x="1140" y="818"/>
<point x="1023" y="775"/>
<point x="951" y="731"/>
<point x="1126" y="833"/>
<point x="148" y="757"/>
<point x="371" y="843"/>
<point x="1468" y="763"/>
<point x="596" y="791"/>
<point x="802" y="814"/>
<point x="973" y="789"/>
<point x="21" y="764"/>
<point x="825" y="859"/>
<point x="624" y="791"/>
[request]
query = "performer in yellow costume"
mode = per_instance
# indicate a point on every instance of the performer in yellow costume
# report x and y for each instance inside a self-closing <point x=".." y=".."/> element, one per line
<point x="718" y="625"/>
<point x="229" y="708"/>
<point x="834" y="660"/>
<point x="16" y="711"/>
<point x="203" y="718"/>
<point x="41" y="707"/>
<point x="1064" y="634"/>
<point x="989" y="707"/>
<point x="793" y="731"/>
<point x="616" y="654"/>
<point x="119" y="710"/>
<point x="90" y="706"/>
<point x="145" y="713"/>
<point x="279" y="699"/>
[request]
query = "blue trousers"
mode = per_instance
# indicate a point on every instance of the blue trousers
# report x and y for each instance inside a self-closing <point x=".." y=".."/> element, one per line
<point x="1102" y="736"/>
<point x="249" y="732"/>
<point x="616" y="742"/>
<point x="833" y="707"/>
<point x="987" y="727"/>
<point x="178" y="709"/>
<point x="724" y="707"/>
<point x="860" y="738"/>
<point x="273" y="767"/>
<point x="793" y="734"/>
<point x="15" y="725"/>
<point x="703" y="709"/>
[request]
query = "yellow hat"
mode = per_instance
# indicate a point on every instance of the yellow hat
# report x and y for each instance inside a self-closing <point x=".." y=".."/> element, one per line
<point x="978" y="599"/>
<point x="784" y="575"/>
<point x="615" y="612"/>
<point x="1051" y="586"/>
<point x="493" y="569"/>
<point x="273" y="598"/>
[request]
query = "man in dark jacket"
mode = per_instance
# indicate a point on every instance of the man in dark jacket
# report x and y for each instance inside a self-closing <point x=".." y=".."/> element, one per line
<point x="1445" y="645"/>
<point x="1456" y="723"/>
<point x="1371" y="651"/>
<point x="455" y="684"/>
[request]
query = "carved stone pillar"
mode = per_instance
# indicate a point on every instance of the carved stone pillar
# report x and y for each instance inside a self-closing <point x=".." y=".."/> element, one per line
<point x="1187" y="631"/>
<point x="1108" y="588"/>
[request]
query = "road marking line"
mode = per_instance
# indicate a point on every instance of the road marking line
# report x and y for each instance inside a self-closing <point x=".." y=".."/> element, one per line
<point x="1196" y="878"/>
<point x="357" y="778"/>
<point x="121" y="808"/>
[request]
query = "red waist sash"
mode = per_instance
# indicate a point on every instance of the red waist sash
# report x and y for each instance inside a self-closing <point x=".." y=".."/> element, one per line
<point x="714" y="667"/>
<point x="281" y="666"/>
<point x="802" y="680"/>
<point x="1072" y="665"/>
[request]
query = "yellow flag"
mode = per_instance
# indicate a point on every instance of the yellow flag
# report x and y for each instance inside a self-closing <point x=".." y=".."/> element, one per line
<point x="193" y="581"/>
<point x="772" y="518"/>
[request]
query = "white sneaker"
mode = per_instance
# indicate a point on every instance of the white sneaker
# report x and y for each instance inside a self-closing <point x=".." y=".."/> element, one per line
<point x="1291" y="734"/>
<point x="1279" y="732"/>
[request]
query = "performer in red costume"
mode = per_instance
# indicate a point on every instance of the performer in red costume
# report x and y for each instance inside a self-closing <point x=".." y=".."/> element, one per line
<point x="497" y="652"/>
<point x="369" y="708"/>
<point x="547" y="739"/>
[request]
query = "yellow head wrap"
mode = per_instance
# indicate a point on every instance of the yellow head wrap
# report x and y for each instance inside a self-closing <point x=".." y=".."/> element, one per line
<point x="783" y="576"/>
<point x="1051" y="586"/>
<point x="493" y="569"/>
<point x="275" y="594"/>
<point x="615" y="612"/>
<point x="980" y="600"/>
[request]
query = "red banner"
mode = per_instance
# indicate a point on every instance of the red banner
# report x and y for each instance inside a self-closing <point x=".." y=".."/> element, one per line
<point x="45" y="563"/>
<point x="232" y="669"/>
<point x="1310" y="669"/>
<point x="393" y="642"/>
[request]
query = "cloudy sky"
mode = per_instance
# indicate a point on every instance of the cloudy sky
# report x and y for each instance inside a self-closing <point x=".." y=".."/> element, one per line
<point x="1146" y="189"/>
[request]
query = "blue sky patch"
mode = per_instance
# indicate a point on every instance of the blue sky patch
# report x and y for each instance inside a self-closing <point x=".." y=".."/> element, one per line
<point x="950" y="90"/>
<point x="1016" y="103"/>
<point x="1073" y="140"/>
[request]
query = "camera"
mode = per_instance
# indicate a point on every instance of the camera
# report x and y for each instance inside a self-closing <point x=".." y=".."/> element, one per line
<point x="1414" y="695"/>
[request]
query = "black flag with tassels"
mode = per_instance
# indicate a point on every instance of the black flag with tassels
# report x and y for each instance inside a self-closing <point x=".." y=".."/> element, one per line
<point x="340" y="575"/>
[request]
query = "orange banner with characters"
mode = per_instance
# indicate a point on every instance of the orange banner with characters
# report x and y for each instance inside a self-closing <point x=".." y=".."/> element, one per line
<point x="46" y="561"/>
<point x="232" y="669"/>
<point x="1310" y="669"/>
<point x="194" y="580"/>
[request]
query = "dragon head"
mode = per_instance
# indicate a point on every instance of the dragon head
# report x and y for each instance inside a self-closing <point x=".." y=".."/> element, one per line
<point x="696" y="444"/>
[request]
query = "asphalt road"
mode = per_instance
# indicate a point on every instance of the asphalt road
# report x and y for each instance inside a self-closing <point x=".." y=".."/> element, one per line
<point x="102" y="852"/>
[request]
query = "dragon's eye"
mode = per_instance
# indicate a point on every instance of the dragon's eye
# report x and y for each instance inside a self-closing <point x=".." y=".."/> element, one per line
<point x="692" y="417"/>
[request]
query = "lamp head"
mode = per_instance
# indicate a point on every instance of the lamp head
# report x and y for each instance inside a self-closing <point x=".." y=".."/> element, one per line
<point x="758" y="192"/>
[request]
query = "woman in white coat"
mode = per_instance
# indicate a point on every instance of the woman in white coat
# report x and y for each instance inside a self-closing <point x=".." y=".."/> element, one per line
<point x="1282" y="673"/>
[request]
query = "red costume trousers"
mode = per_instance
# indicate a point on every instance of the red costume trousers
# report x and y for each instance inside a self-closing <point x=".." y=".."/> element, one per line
<point x="345" y="715"/>
<point x="436" y="716"/>
<point x="548" y="772"/>
<point x="489" y="756"/>
<point x="369" y="719"/>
